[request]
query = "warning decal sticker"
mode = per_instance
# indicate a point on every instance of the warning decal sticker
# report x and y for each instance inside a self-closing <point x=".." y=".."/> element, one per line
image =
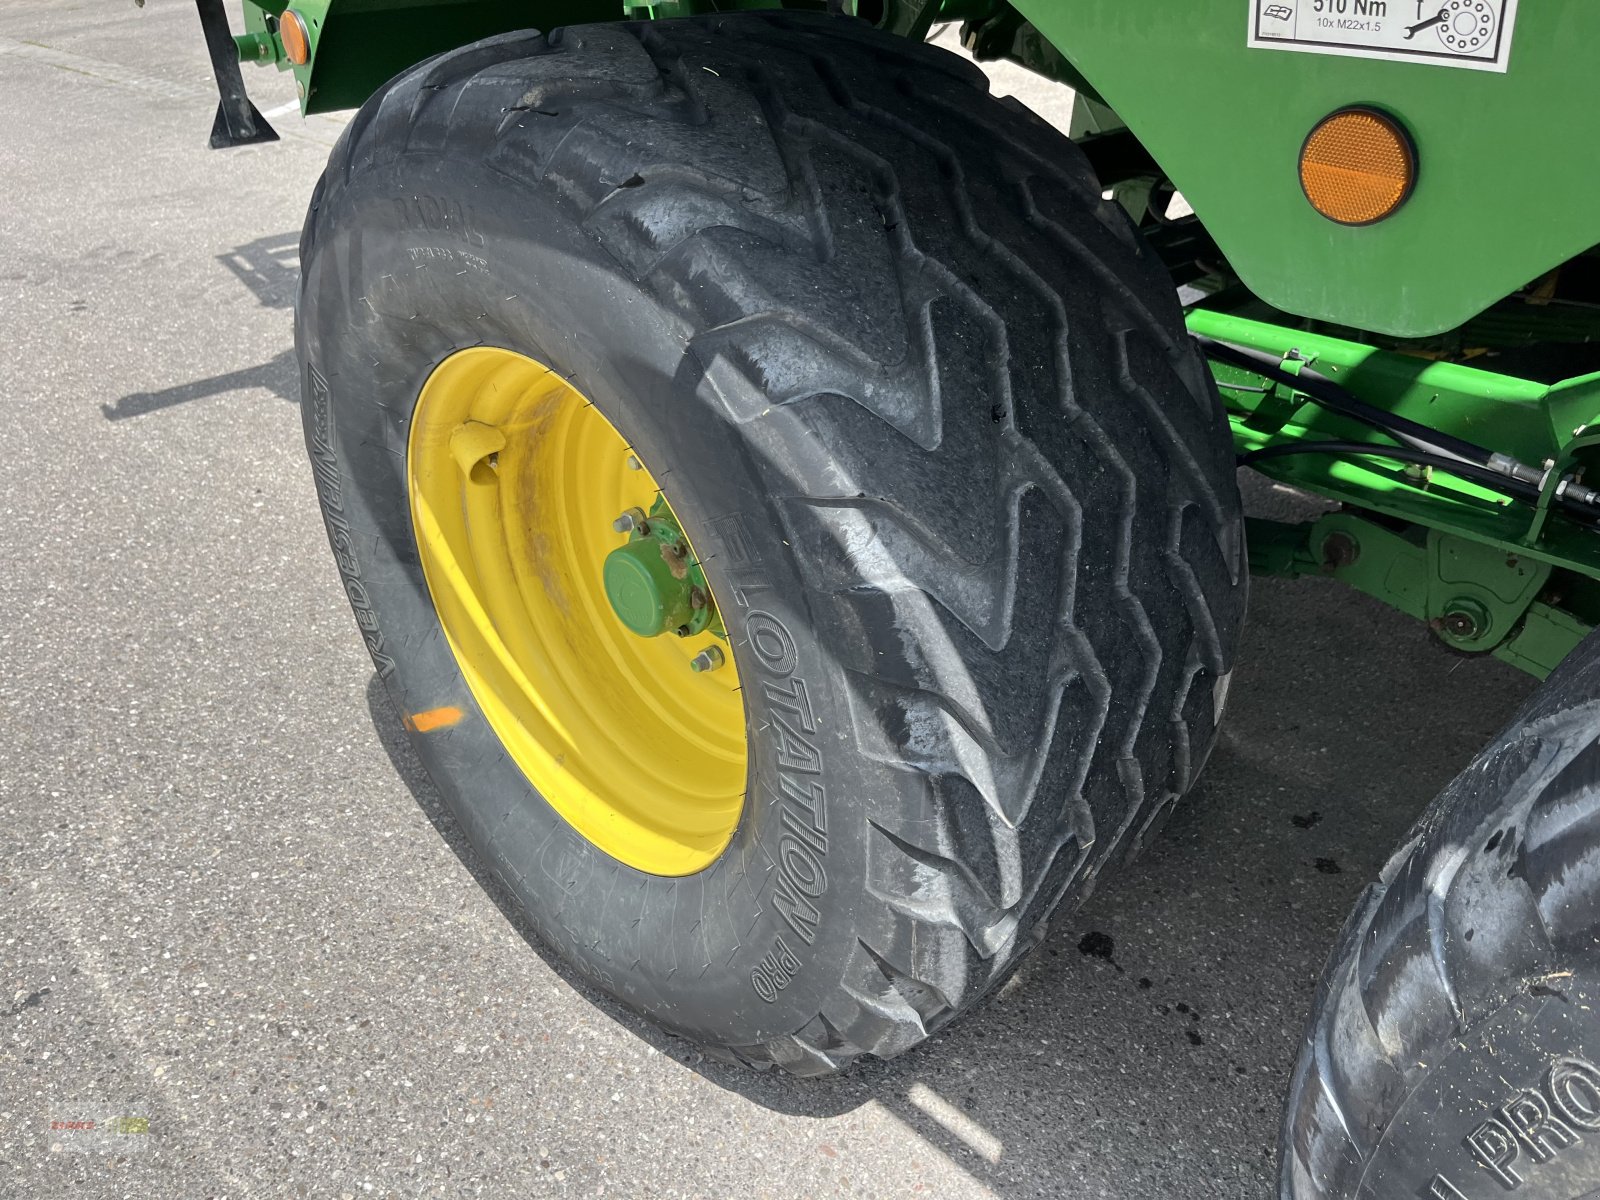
<point x="1475" y="34"/>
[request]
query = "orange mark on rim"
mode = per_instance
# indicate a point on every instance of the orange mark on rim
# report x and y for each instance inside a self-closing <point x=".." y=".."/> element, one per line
<point x="434" y="718"/>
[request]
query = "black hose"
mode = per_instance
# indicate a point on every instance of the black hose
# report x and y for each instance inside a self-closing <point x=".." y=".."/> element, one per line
<point x="1330" y="395"/>
<point x="1420" y="444"/>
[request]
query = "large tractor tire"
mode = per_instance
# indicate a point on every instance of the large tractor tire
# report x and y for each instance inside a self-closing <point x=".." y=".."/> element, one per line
<point x="927" y="568"/>
<point x="1455" y="1049"/>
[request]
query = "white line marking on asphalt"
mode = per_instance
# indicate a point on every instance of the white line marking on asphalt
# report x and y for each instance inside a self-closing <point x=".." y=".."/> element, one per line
<point x="322" y="130"/>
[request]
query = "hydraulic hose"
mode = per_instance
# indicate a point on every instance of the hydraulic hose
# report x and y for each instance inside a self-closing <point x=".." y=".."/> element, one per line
<point x="1426" y="446"/>
<point x="1481" y="475"/>
<point x="1332" y="396"/>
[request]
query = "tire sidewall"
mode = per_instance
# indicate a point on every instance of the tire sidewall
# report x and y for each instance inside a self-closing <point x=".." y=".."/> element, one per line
<point x="421" y="257"/>
<point x="1453" y="1051"/>
<point x="1507" y="1108"/>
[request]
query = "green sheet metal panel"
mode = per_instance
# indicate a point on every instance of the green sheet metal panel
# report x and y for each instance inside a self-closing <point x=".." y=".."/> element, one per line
<point x="1509" y="178"/>
<point x="359" y="45"/>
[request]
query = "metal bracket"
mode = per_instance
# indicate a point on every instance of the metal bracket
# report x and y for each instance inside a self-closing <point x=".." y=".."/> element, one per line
<point x="1574" y="396"/>
<point x="238" y="122"/>
<point x="1280" y="402"/>
<point x="1476" y="598"/>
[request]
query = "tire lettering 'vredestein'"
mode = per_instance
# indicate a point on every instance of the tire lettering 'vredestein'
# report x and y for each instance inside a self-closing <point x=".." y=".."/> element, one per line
<point x="330" y="495"/>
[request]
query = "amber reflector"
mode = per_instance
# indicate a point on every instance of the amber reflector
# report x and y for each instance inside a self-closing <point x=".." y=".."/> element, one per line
<point x="1357" y="166"/>
<point x="296" y="45"/>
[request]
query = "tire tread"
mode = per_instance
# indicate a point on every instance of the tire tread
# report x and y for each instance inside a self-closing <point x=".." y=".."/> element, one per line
<point x="788" y="283"/>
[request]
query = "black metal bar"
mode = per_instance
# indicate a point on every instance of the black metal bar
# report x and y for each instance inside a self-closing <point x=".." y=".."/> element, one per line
<point x="1117" y="155"/>
<point x="238" y="122"/>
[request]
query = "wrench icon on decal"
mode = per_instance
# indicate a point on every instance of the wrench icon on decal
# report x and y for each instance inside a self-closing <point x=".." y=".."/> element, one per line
<point x="1437" y="19"/>
<point x="1464" y="26"/>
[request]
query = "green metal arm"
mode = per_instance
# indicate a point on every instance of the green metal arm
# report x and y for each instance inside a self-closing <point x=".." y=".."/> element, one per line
<point x="1488" y="575"/>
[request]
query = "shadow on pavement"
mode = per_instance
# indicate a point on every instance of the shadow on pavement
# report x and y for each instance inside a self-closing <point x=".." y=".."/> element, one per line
<point x="278" y="375"/>
<point x="1162" y="1019"/>
<point x="269" y="267"/>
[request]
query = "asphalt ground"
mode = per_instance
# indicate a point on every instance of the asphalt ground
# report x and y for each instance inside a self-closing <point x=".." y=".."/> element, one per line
<point x="238" y="931"/>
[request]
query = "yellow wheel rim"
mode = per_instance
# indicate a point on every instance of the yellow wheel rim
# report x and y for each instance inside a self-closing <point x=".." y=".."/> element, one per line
<point x="515" y="479"/>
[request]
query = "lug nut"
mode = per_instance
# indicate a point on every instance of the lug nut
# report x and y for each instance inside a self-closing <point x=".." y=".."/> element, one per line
<point x="630" y="521"/>
<point x="708" y="659"/>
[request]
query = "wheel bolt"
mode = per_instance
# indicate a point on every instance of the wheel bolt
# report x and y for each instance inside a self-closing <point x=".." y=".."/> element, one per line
<point x="628" y="522"/>
<point x="708" y="659"/>
<point x="1464" y="619"/>
<point x="1339" y="549"/>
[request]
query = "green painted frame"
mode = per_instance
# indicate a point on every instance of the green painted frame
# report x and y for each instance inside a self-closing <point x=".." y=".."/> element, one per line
<point x="1225" y="123"/>
<point x="1498" y="200"/>
<point x="1488" y="574"/>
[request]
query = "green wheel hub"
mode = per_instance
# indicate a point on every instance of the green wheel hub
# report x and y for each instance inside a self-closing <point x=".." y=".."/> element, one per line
<point x="653" y="581"/>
